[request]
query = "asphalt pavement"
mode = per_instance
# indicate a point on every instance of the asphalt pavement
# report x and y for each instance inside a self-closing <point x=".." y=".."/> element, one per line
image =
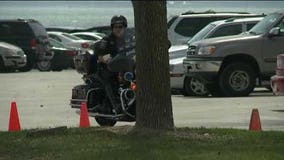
<point x="43" y="101"/>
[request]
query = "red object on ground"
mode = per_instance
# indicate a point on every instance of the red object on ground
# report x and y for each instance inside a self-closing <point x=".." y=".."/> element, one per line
<point x="255" y="124"/>
<point x="84" y="116"/>
<point x="277" y="85"/>
<point x="14" y="123"/>
<point x="277" y="81"/>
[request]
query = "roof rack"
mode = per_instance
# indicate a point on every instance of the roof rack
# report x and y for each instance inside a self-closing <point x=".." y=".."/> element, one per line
<point x="210" y="11"/>
<point x="26" y="20"/>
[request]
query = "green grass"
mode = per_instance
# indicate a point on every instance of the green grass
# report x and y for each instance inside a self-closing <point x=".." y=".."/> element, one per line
<point x="184" y="143"/>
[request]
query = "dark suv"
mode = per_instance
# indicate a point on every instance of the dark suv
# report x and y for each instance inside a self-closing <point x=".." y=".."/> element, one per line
<point x="29" y="35"/>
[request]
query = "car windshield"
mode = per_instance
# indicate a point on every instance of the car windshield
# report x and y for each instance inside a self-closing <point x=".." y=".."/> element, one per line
<point x="55" y="43"/>
<point x="71" y="36"/>
<point x="201" y="34"/>
<point x="263" y="25"/>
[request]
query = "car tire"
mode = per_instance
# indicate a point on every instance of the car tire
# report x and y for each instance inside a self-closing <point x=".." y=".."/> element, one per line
<point x="214" y="90"/>
<point x="105" y="122"/>
<point x="31" y="59"/>
<point x="194" y="87"/>
<point x="237" y="79"/>
<point x="57" y="69"/>
<point x="44" y="66"/>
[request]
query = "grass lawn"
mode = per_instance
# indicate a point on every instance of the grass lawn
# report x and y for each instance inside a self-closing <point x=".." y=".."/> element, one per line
<point x="184" y="143"/>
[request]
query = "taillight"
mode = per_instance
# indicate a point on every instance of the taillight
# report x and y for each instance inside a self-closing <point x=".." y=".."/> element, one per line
<point x="72" y="53"/>
<point x="85" y="45"/>
<point x="33" y="43"/>
<point x="133" y="86"/>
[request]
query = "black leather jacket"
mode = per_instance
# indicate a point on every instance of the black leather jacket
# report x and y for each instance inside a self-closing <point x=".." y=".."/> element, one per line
<point x="107" y="45"/>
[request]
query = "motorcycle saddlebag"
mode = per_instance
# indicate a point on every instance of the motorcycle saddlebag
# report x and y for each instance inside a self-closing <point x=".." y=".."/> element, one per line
<point x="79" y="93"/>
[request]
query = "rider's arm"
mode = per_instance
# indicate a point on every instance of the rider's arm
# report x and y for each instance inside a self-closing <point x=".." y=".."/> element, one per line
<point x="101" y="48"/>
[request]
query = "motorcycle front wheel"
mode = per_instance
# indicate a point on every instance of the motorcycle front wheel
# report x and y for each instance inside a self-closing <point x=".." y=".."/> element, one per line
<point x="105" y="122"/>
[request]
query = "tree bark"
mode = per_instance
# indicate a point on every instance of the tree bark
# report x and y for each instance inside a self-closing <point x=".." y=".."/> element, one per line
<point x="154" y="105"/>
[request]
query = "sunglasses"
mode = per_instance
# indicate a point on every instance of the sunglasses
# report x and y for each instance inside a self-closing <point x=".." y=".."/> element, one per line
<point x="118" y="27"/>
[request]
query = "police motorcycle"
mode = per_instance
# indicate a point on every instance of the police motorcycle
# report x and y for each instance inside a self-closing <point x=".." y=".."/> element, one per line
<point x="108" y="103"/>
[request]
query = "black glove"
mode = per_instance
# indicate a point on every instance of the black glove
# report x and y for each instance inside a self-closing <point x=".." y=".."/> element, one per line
<point x="100" y="47"/>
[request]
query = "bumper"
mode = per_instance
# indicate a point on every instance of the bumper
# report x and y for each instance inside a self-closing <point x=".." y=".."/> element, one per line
<point x="206" y="70"/>
<point x="15" y="61"/>
<point x="177" y="81"/>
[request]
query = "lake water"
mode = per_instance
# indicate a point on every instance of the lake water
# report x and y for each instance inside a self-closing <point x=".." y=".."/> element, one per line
<point x="84" y="14"/>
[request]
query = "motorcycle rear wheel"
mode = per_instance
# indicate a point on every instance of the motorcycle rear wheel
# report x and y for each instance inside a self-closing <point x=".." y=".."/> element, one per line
<point x="105" y="122"/>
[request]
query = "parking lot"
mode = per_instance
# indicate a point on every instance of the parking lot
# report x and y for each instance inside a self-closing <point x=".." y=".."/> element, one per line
<point x="43" y="99"/>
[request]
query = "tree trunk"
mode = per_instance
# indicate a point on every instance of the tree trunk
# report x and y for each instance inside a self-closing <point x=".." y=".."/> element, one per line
<point x="154" y="105"/>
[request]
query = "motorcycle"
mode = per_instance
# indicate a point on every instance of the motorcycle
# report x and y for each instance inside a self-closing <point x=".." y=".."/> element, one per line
<point x="107" y="101"/>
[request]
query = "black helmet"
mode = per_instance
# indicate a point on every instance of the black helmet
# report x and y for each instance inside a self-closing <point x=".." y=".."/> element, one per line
<point x="118" y="20"/>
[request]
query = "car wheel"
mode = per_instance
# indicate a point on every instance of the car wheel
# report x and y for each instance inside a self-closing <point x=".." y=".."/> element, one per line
<point x="105" y="122"/>
<point x="44" y="65"/>
<point x="237" y="79"/>
<point x="194" y="87"/>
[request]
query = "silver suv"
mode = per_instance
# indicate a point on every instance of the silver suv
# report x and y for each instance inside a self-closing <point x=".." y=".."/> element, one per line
<point x="230" y="66"/>
<point x="182" y="27"/>
<point x="193" y="86"/>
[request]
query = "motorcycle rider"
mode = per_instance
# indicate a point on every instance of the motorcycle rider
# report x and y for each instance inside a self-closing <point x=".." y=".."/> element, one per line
<point x="108" y="48"/>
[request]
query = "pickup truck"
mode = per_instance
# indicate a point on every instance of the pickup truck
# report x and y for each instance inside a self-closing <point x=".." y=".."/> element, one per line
<point x="233" y="65"/>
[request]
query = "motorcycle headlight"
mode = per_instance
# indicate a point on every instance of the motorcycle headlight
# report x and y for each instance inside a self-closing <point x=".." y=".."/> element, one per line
<point x="207" y="50"/>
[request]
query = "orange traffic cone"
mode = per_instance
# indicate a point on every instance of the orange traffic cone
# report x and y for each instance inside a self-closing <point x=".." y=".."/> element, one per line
<point x="14" y="123"/>
<point x="84" y="116"/>
<point x="255" y="124"/>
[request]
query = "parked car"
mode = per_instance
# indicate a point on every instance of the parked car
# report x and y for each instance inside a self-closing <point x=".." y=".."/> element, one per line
<point x="100" y="29"/>
<point x="230" y="66"/>
<point x="63" y="56"/>
<point x="66" y="29"/>
<point x="11" y="57"/>
<point x="91" y="36"/>
<point x="70" y="40"/>
<point x="192" y="86"/>
<point x="185" y="26"/>
<point x="97" y="29"/>
<point x="30" y="36"/>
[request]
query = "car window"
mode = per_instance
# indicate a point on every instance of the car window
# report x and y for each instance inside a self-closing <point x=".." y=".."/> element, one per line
<point x="55" y="37"/>
<point x="56" y="43"/>
<point x="5" y="29"/>
<point x="15" y="29"/>
<point x="171" y="21"/>
<point x="38" y="29"/>
<point x="250" y="25"/>
<point x="71" y="36"/>
<point x="202" y="33"/>
<point x="86" y="37"/>
<point x="265" y="24"/>
<point x="190" y="26"/>
<point x="227" y="31"/>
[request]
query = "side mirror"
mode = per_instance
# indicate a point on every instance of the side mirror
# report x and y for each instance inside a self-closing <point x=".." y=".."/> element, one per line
<point x="274" y="32"/>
